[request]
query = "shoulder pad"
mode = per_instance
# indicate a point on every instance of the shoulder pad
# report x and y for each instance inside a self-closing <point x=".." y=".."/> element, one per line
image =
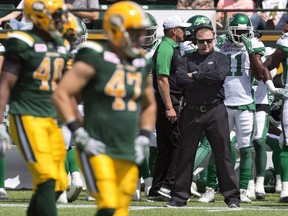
<point x="258" y="46"/>
<point x="67" y="45"/>
<point x="92" y="45"/>
<point x="2" y="49"/>
<point x="220" y="40"/>
<point x="282" y="43"/>
<point x="18" y="41"/>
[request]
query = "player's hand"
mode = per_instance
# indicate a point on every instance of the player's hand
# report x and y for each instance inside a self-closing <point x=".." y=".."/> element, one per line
<point x="253" y="45"/>
<point x="4" y="139"/>
<point x="141" y="147"/>
<point x="280" y="92"/>
<point x="248" y="43"/>
<point x="84" y="143"/>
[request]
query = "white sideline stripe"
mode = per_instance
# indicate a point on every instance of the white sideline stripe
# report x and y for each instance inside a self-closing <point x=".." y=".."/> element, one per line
<point x="209" y="209"/>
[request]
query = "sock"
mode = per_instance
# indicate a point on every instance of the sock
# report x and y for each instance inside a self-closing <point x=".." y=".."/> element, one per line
<point x="73" y="167"/>
<point x="260" y="156"/>
<point x="144" y="169"/>
<point x="245" y="167"/>
<point x="251" y="185"/>
<point x="273" y="143"/>
<point x="66" y="164"/>
<point x="203" y="150"/>
<point x="259" y="183"/>
<point x="57" y="194"/>
<point x="148" y="181"/>
<point x="233" y="150"/>
<point x="2" y="172"/>
<point x="45" y="199"/>
<point x="152" y="159"/>
<point x="212" y="173"/>
<point x="32" y="211"/>
<point x="284" y="164"/>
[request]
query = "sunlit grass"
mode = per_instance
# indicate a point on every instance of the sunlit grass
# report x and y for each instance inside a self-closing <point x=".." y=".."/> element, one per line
<point x="18" y="202"/>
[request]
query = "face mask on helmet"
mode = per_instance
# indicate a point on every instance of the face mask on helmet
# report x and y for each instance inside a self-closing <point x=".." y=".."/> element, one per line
<point x="239" y="24"/>
<point x="120" y="17"/>
<point x="47" y="15"/>
<point x="150" y="37"/>
<point x="73" y="31"/>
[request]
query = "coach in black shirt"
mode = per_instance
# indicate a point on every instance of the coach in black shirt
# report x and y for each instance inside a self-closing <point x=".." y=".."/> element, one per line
<point x="202" y="74"/>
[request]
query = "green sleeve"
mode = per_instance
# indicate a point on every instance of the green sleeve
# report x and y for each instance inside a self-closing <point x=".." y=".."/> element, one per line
<point x="164" y="57"/>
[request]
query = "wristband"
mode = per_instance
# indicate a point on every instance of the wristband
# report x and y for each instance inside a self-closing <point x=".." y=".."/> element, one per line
<point x="270" y="85"/>
<point x="73" y="125"/>
<point x="169" y="108"/>
<point x="145" y="133"/>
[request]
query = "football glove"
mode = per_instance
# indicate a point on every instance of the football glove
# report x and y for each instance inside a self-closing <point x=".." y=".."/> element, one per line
<point x="141" y="147"/>
<point x="253" y="45"/>
<point x="84" y="143"/>
<point x="279" y="92"/>
<point x="4" y="139"/>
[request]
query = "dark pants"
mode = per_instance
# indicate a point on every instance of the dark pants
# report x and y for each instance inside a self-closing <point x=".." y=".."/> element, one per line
<point x="214" y="123"/>
<point x="168" y="147"/>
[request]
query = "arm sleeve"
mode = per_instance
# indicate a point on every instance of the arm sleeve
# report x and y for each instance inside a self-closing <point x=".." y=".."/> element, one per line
<point x="163" y="60"/>
<point x="12" y="63"/>
<point x="214" y="75"/>
<point x="181" y="72"/>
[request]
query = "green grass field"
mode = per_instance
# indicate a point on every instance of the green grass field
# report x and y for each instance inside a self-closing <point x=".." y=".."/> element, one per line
<point x="18" y="201"/>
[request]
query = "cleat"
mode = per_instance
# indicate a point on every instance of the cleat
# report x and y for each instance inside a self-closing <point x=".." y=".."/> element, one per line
<point x="194" y="190"/>
<point x="208" y="196"/>
<point x="62" y="198"/>
<point x="88" y="197"/>
<point x="3" y="194"/>
<point x="76" y="187"/>
<point x="243" y="196"/>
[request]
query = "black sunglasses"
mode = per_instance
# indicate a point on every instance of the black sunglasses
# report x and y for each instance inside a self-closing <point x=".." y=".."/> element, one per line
<point x="208" y="41"/>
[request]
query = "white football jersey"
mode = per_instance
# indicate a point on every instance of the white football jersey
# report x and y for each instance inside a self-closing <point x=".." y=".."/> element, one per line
<point x="2" y="49"/>
<point x="260" y="90"/>
<point x="187" y="47"/>
<point x="238" y="82"/>
<point x="151" y="51"/>
<point x="282" y="44"/>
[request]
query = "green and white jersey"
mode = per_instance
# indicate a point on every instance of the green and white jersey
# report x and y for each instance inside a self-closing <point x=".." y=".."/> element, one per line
<point x="150" y="51"/>
<point x="260" y="89"/>
<point x="112" y="98"/>
<point x="238" y="83"/>
<point x="282" y="44"/>
<point x="41" y="70"/>
<point x="2" y="49"/>
<point x="187" y="47"/>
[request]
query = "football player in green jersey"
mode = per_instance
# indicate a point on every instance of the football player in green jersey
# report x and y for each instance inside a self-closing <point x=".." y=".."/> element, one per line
<point x="32" y="67"/>
<point x="73" y="31"/>
<point x="149" y="43"/>
<point x="119" y="107"/>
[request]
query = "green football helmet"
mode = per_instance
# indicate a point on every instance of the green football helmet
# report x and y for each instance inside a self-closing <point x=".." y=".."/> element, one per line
<point x="201" y="181"/>
<point x="74" y="31"/>
<point x="270" y="180"/>
<point x="151" y="32"/>
<point x="195" y="21"/>
<point x="83" y="34"/>
<point x="239" y="24"/>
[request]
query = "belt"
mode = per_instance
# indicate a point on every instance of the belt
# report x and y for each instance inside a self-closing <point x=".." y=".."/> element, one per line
<point x="204" y="108"/>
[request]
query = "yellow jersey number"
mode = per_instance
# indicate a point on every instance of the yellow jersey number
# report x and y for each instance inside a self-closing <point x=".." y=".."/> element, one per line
<point x="43" y="73"/>
<point x="116" y="88"/>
